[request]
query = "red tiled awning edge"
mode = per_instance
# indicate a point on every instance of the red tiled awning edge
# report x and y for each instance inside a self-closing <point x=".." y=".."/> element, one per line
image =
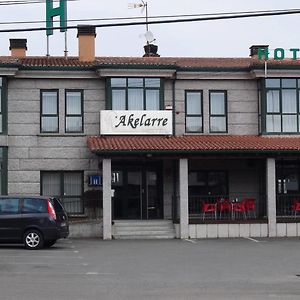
<point x="193" y="143"/>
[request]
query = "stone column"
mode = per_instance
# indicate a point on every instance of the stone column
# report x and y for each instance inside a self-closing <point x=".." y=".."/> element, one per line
<point x="184" y="198"/>
<point x="271" y="195"/>
<point x="106" y="170"/>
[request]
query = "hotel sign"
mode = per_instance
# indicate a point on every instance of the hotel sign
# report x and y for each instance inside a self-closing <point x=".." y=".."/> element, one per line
<point x="135" y="122"/>
<point x="278" y="53"/>
<point x="51" y="12"/>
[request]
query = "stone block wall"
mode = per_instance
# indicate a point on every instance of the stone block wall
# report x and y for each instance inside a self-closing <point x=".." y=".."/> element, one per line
<point x="30" y="151"/>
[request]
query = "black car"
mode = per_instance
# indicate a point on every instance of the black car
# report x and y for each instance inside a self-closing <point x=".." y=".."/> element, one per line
<point x="34" y="221"/>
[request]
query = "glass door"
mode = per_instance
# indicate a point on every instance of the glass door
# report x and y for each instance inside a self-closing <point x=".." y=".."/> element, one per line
<point x="152" y="210"/>
<point x="134" y="195"/>
<point x="137" y="192"/>
<point x="127" y="186"/>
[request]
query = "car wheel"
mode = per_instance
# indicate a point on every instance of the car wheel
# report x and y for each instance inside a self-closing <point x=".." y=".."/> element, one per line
<point x="33" y="239"/>
<point x="49" y="243"/>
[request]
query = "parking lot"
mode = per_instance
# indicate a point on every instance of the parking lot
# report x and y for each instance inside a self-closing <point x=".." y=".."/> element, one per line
<point x="171" y="269"/>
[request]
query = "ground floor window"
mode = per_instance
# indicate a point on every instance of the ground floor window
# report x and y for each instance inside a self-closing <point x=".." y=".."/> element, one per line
<point x="288" y="188"/>
<point x="233" y="194"/>
<point x="206" y="183"/>
<point x="68" y="186"/>
<point x="206" y="187"/>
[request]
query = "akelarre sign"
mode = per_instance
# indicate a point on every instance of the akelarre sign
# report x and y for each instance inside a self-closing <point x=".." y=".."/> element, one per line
<point x="137" y="122"/>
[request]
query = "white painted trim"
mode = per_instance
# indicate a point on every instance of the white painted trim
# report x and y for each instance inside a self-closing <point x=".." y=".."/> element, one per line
<point x="107" y="217"/>
<point x="183" y="198"/>
<point x="168" y="73"/>
<point x="275" y="73"/>
<point x="248" y="231"/>
<point x="271" y="194"/>
<point x="8" y="71"/>
<point x="59" y="74"/>
<point x="215" y="75"/>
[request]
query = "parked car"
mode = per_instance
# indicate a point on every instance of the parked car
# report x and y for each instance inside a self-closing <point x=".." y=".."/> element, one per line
<point x="34" y="221"/>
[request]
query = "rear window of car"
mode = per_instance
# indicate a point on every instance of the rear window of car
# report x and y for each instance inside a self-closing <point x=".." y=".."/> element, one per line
<point x="57" y="205"/>
<point x="31" y="205"/>
<point x="9" y="206"/>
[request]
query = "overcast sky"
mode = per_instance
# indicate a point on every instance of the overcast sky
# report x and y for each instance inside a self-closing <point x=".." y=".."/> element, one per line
<point x="224" y="38"/>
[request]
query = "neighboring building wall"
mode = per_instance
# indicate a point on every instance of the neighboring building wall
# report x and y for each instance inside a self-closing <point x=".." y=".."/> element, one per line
<point x="30" y="151"/>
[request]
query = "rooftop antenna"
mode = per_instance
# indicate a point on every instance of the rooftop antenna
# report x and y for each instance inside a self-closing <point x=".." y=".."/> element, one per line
<point x="144" y="5"/>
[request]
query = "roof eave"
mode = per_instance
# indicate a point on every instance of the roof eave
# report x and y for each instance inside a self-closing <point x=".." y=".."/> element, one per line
<point x="194" y="152"/>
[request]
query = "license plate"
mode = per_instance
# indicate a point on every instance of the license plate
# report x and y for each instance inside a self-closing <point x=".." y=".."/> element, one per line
<point x="63" y="224"/>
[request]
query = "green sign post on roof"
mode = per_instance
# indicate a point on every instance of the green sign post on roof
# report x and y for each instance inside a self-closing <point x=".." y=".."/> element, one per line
<point x="278" y="53"/>
<point x="51" y="12"/>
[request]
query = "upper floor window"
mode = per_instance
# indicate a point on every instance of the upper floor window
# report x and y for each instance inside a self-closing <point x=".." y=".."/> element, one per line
<point x="3" y="105"/>
<point x="282" y="105"/>
<point x="135" y="93"/>
<point x="74" y="111"/>
<point x="193" y="111"/>
<point x="1" y="110"/>
<point x="3" y="170"/>
<point x="217" y="111"/>
<point x="49" y="111"/>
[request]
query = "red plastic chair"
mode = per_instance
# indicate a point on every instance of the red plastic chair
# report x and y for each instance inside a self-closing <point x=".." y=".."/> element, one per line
<point x="296" y="207"/>
<point x="238" y="207"/>
<point x="250" y="206"/>
<point x="223" y="206"/>
<point x="209" y="208"/>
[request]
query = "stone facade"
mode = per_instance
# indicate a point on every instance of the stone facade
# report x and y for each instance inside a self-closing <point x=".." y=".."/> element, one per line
<point x="30" y="152"/>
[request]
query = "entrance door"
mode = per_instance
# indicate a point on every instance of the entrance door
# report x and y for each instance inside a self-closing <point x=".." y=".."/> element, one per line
<point x="137" y="192"/>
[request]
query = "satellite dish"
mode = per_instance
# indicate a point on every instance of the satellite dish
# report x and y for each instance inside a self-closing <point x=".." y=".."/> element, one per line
<point x="149" y="37"/>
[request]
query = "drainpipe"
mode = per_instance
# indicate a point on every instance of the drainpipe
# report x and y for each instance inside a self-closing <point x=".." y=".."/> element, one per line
<point x="173" y="104"/>
<point x="174" y="204"/>
<point x="174" y="198"/>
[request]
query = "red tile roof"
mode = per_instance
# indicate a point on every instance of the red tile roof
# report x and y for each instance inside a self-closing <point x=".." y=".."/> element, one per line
<point x="171" y="62"/>
<point x="43" y="61"/>
<point x="193" y="144"/>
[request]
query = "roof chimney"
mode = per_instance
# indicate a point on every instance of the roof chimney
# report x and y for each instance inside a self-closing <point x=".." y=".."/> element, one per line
<point x="86" y="42"/>
<point x="151" y="51"/>
<point x="254" y="49"/>
<point x="18" y="47"/>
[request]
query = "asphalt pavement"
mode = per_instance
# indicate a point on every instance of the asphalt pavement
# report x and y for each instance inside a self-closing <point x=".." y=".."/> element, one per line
<point x="84" y="269"/>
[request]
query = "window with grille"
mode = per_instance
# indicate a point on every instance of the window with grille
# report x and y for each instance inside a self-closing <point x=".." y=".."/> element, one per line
<point x="68" y="186"/>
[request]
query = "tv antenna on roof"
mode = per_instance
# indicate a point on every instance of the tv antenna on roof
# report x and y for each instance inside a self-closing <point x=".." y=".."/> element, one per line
<point x="144" y="5"/>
